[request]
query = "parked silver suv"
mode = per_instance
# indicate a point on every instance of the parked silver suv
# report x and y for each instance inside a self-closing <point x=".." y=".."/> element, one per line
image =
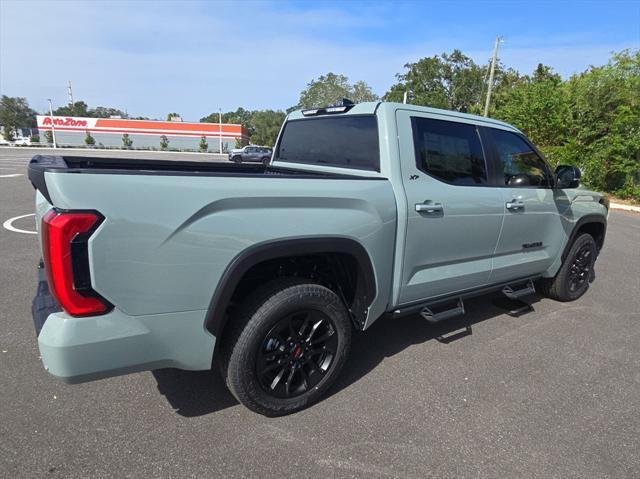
<point x="251" y="153"/>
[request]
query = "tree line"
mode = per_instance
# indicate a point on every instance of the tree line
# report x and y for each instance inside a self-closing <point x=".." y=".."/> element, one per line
<point x="591" y="120"/>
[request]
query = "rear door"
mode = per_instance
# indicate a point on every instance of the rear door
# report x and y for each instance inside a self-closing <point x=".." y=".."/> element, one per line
<point x="454" y="215"/>
<point x="251" y="153"/>
<point x="530" y="241"/>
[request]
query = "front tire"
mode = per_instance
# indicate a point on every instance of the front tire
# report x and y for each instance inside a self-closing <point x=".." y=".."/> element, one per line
<point x="286" y="346"/>
<point x="576" y="272"/>
<point x="237" y="159"/>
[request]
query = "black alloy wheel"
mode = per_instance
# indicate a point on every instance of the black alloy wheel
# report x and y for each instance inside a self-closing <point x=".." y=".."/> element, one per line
<point x="580" y="268"/>
<point x="576" y="272"/>
<point x="296" y="354"/>
<point x="285" y="345"/>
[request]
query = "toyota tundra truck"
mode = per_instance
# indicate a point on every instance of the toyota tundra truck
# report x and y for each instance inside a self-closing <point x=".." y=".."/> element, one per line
<point x="364" y="210"/>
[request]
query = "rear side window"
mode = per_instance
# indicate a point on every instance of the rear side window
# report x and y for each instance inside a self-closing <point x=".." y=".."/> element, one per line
<point x="449" y="151"/>
<point x="345" y="142"/>
<point x="520" y="165"/>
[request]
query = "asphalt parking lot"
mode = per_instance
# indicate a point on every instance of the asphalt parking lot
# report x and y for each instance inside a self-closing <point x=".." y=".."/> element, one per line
<point x="554" y="392"/>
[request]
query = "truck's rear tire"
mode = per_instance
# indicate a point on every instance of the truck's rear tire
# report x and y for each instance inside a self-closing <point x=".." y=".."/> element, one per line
<point x="286" y="346"/>
<point x="573" y="278"/>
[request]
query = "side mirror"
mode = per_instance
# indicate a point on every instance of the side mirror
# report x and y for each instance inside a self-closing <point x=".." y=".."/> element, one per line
<point x="568" y="176"/>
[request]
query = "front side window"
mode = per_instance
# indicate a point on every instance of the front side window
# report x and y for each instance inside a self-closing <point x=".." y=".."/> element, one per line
<point x="340" y="141"/>
<point x="449" y="151"/>
<point x="520" y="165"/>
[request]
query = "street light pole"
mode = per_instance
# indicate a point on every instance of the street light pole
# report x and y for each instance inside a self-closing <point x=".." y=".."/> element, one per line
<point x="53" y="128"/>
<point x="220" y="126"/>
<point x="493" y="69"/>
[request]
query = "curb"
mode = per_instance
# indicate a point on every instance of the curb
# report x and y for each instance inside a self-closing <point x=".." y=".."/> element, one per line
<point x="619" y="206"/>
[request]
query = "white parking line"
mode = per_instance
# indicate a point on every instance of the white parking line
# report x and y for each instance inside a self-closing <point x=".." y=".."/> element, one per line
<point x="8" y="225"/>
<point x="11" y="176"/>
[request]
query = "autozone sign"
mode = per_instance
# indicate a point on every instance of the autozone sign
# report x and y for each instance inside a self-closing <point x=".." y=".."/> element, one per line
<point x="120" y="126"/>
<point x="63" y="122"/>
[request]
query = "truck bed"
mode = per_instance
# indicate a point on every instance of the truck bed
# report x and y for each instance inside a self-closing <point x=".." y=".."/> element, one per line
<point x="127" y="166"/>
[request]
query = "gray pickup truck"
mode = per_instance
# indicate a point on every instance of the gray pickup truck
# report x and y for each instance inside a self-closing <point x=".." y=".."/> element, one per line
<point x="364" y="210"/>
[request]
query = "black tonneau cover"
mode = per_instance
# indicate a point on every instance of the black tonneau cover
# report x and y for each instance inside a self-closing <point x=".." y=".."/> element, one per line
<point x="134" y="166"/>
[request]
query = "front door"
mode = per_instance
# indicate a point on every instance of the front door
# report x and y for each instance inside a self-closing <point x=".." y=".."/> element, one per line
<point x="454" y="217"/>
<point x="529" y="242"/>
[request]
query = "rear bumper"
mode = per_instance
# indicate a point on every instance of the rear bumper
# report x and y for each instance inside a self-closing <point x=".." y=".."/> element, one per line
<point x="88" y="348"/>
<point x="83" y="349"/>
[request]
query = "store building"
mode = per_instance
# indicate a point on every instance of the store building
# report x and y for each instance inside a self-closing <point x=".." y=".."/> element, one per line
<point x="144" y="134"/>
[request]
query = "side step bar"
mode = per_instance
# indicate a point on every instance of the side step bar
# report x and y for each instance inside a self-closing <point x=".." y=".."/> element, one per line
<point x="525" y="289"/>
<point x="433" y="315"/>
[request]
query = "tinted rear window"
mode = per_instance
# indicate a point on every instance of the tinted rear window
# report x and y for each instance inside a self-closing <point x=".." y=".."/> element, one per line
<point x="449" y="151"/>
<point x="345" y="142"/>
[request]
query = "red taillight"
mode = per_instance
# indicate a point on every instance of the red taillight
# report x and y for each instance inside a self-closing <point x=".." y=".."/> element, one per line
<point x="59" y="229"/>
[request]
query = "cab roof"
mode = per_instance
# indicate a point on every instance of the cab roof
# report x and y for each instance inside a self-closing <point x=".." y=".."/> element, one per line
<point x="370" y="108"/>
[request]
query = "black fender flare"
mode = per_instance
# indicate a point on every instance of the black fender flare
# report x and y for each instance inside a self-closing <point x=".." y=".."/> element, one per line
<point x="216" y="316"/>
<point x="579" y="224"/>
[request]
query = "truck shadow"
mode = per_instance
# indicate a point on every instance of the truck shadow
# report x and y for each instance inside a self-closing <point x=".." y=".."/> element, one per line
<point x="197" y="393"/>
<point x="194" y="393"/>
<point x="388" y="336"/>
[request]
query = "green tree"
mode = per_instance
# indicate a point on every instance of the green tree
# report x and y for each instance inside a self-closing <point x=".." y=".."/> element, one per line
<point x="362" y="92"/>
<point x="105" y="112"/>
<point x="173" y="115"/>
<point x="452" y="81"/>
<point x="262" y="125"/>
<point x="266" y="126"/>
<point x="591" y="120"/>
<point x="15" y="113"/>
<point x="204" y="146"/>
<point x="126" y="141"/>
<point x="89" y="140"/>
<point x="539" y="106"/>
<point x="79" y="108"/>
<point x="604" y="132"/>
<point x="48" y="137"/>
<point x="239" y="117"/>
<point x="329" y="88"/>
<point x="164" y="142"/>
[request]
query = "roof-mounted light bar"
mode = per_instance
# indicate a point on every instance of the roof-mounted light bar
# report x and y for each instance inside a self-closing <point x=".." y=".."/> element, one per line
<point x="340" y="106"/>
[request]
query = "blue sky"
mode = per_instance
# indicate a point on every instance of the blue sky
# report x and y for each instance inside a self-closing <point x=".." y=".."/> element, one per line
<point x="153" y="57"/>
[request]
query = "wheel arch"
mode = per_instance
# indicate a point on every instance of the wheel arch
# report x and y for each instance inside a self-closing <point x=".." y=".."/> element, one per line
<point x="261" y="253"/>
<point x="595" y="225"/>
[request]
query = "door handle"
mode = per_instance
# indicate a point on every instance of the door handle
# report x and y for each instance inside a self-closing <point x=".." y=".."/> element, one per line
<point x="429" y="208"/>
<point x="515" y="205"/>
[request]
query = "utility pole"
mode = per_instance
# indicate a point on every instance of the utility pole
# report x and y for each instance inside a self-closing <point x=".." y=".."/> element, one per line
<point x="220" y="125"/>
<point x="53" y="128"/>
<point x="404" y="99"/>
<point x="493" y="69"/>
<point x="70" y="93"/>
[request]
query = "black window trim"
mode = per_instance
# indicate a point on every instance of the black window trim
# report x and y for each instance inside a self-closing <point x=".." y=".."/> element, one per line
<point x="493" y="157"/>
<point x="488" y="165"/>
<point x="276" y="149"/>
